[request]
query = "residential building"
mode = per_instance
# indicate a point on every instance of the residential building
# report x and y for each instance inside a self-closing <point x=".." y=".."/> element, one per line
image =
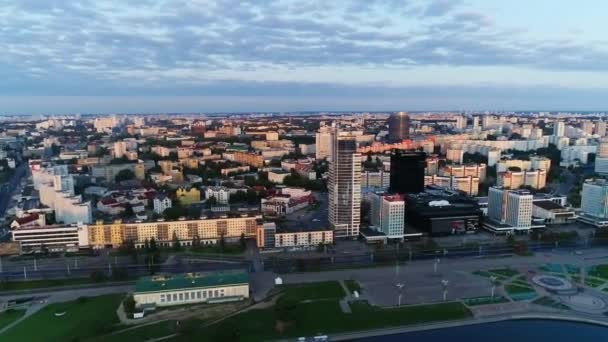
<point x="594" y="201"/>
<point x="601" y="160"/>
<point x="251" y="159"/>
<point x="208" y="230"/>
<point x="510" y="207"/>
<point x="277" y="175"/>
<point x="188" y="197"/>
<point x="220" y="193"/>
<point x="161" y="203"/>
<point x="388" y="214"/>
<point x="537" y="179"/>
<point x="323" y="143"/>
<point x="269" y="238"/>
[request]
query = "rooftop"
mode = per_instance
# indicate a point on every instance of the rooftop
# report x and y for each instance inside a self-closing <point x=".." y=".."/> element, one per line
<point x="190" y="280"/>
<point x="548" y="205"/>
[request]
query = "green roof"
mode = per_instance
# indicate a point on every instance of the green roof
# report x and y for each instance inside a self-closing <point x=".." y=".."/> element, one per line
<point x="189" y="281"/>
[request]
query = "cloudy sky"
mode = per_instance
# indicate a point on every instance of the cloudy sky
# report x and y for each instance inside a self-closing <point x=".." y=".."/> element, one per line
<point x="63" y="56"/>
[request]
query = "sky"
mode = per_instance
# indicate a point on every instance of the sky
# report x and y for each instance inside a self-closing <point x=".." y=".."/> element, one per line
<point x="138" y="56"/>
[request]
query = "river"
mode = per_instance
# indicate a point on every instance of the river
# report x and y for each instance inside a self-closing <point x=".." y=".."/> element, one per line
<point x="507" y="331"/>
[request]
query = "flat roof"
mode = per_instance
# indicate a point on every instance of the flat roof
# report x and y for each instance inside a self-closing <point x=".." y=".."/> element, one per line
<point x="190" y="280"/>
<point x="548" y="205"/>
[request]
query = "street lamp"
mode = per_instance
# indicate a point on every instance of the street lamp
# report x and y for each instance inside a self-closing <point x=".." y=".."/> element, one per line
<point x="435" y="265"/>
<point x="444" y="286"/>
<point x="493" y="279"/>
<point x="400" y="290"/>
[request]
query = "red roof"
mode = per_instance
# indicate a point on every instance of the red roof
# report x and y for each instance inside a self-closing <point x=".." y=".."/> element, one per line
<point x="27" y="219"/>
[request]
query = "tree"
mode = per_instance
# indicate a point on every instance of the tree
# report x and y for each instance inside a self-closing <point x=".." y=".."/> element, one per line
<point x="128" y="248"/>
<point x="176" y="244"/>
<point x="124" y="175"/>
<point x="196" y="241"/>
<point x="243" y="242"/>
<point x="153" y="247"/>
<point x="222" y="241"/>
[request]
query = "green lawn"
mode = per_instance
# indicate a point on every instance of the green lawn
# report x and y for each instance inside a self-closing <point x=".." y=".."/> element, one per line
<point x="516" y="289"/>
<point x="485" y="300"/>
<point x="9" y="316"/>
<point x="352" y="286"/>
<point x="600" y="271"/>
<point x="85" y="317"/>
<point x="594" y="282"/>
<point x="318" y="312"/>
<point x="142" y="333"/>
<point x="312" y="291"/>
<point x="505" y="272"/>
<point x="36" y="284"/>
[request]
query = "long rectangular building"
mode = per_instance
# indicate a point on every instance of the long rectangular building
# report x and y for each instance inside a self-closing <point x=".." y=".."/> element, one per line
<point x="52" y="238"/>
<point x="208" y="230"/>
<point x="191" y="288"/>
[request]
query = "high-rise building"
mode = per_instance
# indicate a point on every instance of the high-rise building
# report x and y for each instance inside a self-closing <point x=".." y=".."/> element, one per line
<point x="344" y="185"/>
<point x="398" y="126"/>
<point x="387" y="214"/>
<point x="594" y="201"/>
<point x="323" y="143"/>
<point x="600" y="128"/>
<point x="511" y="207"/>
<point x="587" y="127"/>
<point x="407" y="172"/>
<point x="601" y="160"/>
<point x="559" y="129"/>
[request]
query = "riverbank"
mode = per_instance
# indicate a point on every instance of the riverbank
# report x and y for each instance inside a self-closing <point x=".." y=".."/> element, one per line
<point x="466" y="322"/>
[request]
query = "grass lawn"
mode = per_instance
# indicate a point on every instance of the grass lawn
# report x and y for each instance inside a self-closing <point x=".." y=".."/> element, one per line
<point x="550" y="302"/>
<point x="34" y="284"/>
<point x="312" y="291"/>
<point x="600" y="271"/>
<point x="517" y="289"/>
<point x="505" y="272"/>
<point x="85" y="317"/>
<point x="215" y="249"/>
<point x="9" y="316"/>
<point x="317" y="312"/>
<point x="142" y="333"/>
<point x="352" y="286"/>
<point x="594" y="282"/>
<point x="485" y="300"/>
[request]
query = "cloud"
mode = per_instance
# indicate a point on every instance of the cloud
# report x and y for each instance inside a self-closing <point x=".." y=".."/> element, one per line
<point x="117" y="47"/>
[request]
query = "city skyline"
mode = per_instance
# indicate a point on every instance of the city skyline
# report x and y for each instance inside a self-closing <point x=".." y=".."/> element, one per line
<point x="214" y="56"/>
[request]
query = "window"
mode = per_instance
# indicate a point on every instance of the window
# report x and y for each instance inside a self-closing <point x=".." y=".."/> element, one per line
<point x="162" y="298"/>
<point x="181" y="296"/>
<point x="198" y="295"/>
<point x="204" y="294"/>
<point x="215" y="293"/>
<point x="175" y="297"/>
<point x="187" y="294"/>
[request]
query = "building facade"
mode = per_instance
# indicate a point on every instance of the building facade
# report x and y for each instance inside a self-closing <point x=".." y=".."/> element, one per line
<point x="344" y="186"/>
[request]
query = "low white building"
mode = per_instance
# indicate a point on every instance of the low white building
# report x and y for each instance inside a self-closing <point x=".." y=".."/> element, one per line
<point x="191" y="288"/>
<point x="52" y="238"/>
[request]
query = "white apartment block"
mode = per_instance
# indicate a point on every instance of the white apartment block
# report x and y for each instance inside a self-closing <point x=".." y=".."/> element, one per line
<point x="387" y="214"/>
<point x="220" y="193"/>
<point x="536" y="179"/>
<point x="594" y="201"/>
<point x="161" y="203"/>
<point x="466" y="184"/>
<point x="511" y="207"/>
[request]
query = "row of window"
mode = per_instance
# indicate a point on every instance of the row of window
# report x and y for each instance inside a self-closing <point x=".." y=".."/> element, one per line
<point x="192" y="295"/>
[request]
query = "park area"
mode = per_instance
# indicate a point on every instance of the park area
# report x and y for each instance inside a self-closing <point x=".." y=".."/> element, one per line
<point x="70" y="321"/>
<point x="313" y="309"/>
